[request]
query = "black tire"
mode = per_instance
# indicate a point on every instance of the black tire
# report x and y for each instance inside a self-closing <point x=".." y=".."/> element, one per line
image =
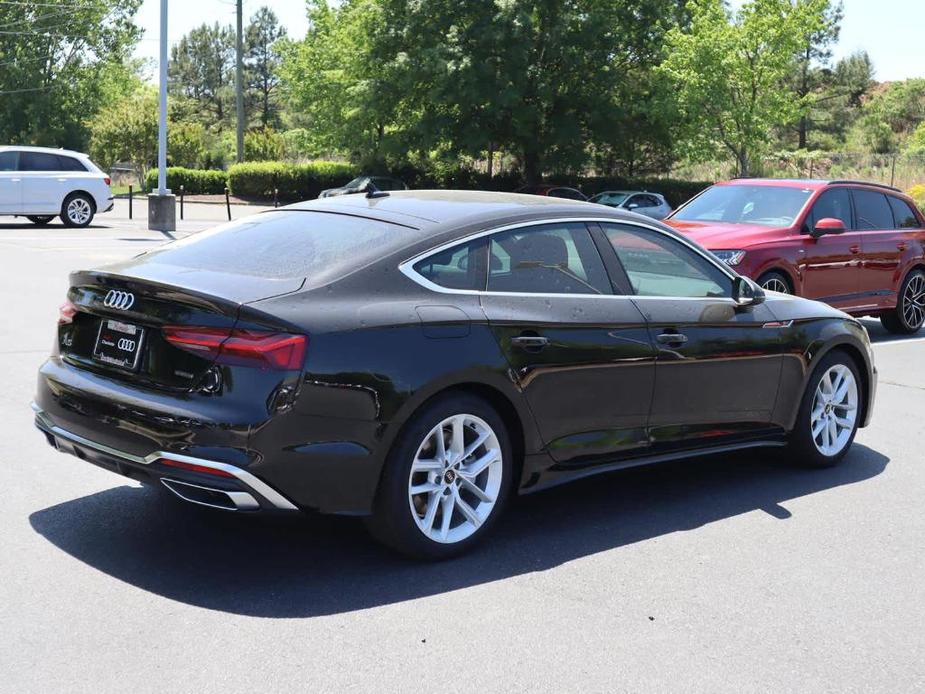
<point x="40" y="220"/>
<point x="909" y="315"/>
<point x="78" y="210"/>
<point x="770" y="280"/>
<point x="393" y="522"/>
<point x="802" y="444"/>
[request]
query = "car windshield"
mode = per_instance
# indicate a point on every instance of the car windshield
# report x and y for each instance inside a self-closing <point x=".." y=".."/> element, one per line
<point x="286" y="244"/>
<point x="775" y="206"/>
<point x="357" y="182"/>
<point x="610" y="198"/>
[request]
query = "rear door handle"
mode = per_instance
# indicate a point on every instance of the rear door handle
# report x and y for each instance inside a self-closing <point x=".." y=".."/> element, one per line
<point x="530" y="341"/>
<point x="672" y="338"/>
<point x="901" y="246"/>
<point x="855" y="249"/>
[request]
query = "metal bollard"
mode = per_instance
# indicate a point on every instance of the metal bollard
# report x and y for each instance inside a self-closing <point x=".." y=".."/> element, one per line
<point x="181" y="202"/>
<point x="276" y="197"/>
<point x="228" y="203"/>
<point x="130" y="201"/>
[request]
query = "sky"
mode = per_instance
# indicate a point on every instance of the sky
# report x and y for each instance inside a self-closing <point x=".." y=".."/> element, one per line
<point x="891" y="31"/>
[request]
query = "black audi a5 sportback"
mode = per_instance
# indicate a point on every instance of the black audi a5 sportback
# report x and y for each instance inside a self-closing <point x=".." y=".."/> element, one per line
<point x="416" y="358"/>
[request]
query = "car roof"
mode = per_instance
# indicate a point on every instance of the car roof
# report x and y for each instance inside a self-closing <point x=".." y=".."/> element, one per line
<point x="626" y="192"/>
<point x="48" y="150"/>
<point x="435" y="211"/>
<point x="806" y="183"/>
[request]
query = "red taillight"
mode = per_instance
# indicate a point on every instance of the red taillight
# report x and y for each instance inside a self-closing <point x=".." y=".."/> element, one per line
<point x="66" y="313"/>
<point x="253" y="348"/>
<point x="192" y="467"/>
<point x="107" y="180"/>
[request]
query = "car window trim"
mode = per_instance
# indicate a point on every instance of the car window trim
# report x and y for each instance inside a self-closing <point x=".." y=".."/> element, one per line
<point x="406" y="267"/>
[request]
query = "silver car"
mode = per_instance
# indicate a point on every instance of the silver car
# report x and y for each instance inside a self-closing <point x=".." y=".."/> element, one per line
<point x="642" y="202"/>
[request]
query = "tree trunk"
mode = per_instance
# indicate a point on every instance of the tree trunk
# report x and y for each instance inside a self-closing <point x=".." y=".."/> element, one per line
<point x="491" y="159"/>
<point x="743" y="162"/>
<point x="802" y="132"/>
<point x="531" y="167"/>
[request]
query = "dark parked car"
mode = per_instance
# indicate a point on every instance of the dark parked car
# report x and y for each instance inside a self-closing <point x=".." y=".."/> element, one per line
<point x="360" y="184"/>
<point x="857" y="246"/>
<point x="553" y="191"/>
<point x="641" y="202"/>
<point x="417" y="358"/>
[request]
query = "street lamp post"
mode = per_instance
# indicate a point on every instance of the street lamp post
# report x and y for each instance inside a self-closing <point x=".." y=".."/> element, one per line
<point x="162" y="207"/>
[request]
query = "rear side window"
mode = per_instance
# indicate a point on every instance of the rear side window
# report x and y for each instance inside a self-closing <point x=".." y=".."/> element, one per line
<point x="547" y="259"/>
<point x="567" y="193"/>
<point x="38" y="161"/>
<point x="288" y="244"/>
<point x="903" y="216"/>
<point x="7" y="161"/>
<point x="832" y="204"/>
<point x="69" y="164"/>
<point x="460" y="267"/>
<point x="873" y="210"/>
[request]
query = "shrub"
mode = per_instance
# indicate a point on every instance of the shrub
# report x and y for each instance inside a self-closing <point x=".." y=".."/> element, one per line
<point x="194" y="181"/>
<point x="294" y="181"/>
<point x="917" y="193"/>
<point x="263" y="145"/>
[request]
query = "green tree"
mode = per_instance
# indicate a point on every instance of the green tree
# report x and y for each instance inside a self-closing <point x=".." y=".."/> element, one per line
<point x="59" y="64"/>
<point x="333" y="87"/>
<point x="728" y="70"/>
<point x="186" y="144"/>
<point x="126" y="131"/>
<point x="812" y="75"/>
<point x="890" y="116"/>
<point x="201" y="74"/>
<point x="262" y="61"/>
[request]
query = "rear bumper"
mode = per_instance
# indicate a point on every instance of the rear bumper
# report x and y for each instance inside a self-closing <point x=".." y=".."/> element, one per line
<point x="230" y="487"/>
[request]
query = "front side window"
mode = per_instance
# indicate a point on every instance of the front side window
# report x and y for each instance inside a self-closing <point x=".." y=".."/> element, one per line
<point x="832" y="204"/>
<point x="547" y="259"/>
<point x="873" y="210"/>
<point x="658" y="265"/>
<point x="460" y="267"/>
<point x="768" y="205"/>
<point x="38" y="161"/>
<point x="7" y="161"/>
<point x="903" y="216"/>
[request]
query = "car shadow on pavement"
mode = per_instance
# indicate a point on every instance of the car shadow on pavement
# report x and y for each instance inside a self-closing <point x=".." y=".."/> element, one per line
<point x="304" y="567"/>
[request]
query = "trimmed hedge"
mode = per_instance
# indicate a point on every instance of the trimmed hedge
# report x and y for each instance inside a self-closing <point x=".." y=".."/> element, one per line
<point x="194" y="181"/>
<point x="294" y="181"/>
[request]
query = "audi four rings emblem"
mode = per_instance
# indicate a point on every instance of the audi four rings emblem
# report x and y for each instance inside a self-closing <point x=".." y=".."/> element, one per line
<point x="126" y="344"/>
<point x="120" y="300"/>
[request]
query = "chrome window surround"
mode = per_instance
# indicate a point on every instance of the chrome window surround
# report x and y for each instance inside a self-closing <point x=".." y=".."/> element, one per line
<point x="45" y="423"/>
<point x="407" y="267"/>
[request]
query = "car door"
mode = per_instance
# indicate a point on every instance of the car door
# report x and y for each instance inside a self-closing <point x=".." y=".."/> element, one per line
<point x="581" y="354"/>
<point x="43" y="183"/>
<point x="830" y="266"/>
<point x="10" y="184"/>
<point x="882" y="248"/>
<point x="718" y="363"/>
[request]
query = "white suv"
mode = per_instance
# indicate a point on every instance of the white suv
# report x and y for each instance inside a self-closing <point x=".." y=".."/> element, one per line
<point x="40" y="183"/>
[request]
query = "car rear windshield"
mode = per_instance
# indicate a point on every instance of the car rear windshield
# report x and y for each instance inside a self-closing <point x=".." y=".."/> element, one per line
<point x="773" y="206"/>
<point x="287" y="244"/>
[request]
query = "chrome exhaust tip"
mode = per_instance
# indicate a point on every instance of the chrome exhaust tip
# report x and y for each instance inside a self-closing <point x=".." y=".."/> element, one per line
<point x="213" y="498"/>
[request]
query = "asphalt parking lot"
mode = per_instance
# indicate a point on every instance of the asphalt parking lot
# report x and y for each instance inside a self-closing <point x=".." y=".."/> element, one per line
<point x="731" y="574"/>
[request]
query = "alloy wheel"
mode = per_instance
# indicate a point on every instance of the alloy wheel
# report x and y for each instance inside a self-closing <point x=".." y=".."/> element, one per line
<point x="775" y="284"/>
<point x="835" y="410"/>
<point x="79" y="211"/>
<point x="913" y="301"/>
<point x="455" y="478"/>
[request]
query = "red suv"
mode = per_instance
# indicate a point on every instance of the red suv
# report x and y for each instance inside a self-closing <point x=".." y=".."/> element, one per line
<point x="857" y="246"/>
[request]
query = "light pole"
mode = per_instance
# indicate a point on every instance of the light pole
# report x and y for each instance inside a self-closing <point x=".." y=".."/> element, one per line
<point x="239" y="82"/>
<point x="162" y="208"/>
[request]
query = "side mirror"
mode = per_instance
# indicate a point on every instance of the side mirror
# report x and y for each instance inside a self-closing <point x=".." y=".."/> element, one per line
<point x="746" y="293"/>
<point x="827" y="225"/>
